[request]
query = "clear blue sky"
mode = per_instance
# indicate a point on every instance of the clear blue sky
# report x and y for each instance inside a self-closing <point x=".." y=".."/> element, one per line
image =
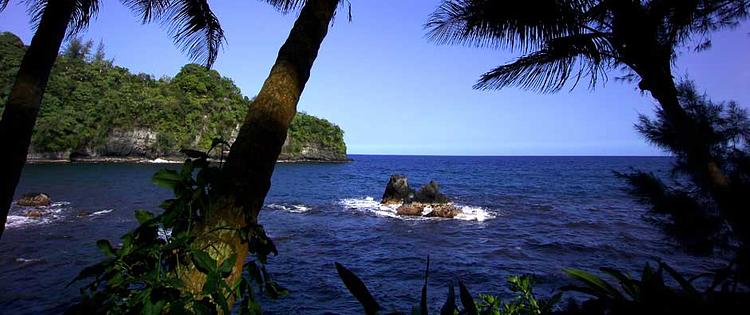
<point x="393" y="92"/>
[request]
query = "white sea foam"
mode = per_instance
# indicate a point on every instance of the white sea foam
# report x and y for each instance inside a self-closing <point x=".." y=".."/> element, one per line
<point x="100" y="212"/>
<point x="161" y="161"/>
<point x="55" y="212"/>
<point x="370" y="205"/>
<point x="28" y="260"/>
<point x="294" y="208"/>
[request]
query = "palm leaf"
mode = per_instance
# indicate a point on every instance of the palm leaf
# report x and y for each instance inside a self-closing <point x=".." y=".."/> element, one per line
<point x="521" y="25"/>
<point x="193" y="25"/>
<point x="549" y="69"/>
<point x="83" y="12"/>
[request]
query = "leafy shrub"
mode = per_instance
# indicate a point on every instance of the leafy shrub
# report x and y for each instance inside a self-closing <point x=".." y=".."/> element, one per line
<point x="146" y="274"/>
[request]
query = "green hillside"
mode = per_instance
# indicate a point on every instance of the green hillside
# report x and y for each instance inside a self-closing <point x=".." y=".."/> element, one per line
<point x="90" y="101"/>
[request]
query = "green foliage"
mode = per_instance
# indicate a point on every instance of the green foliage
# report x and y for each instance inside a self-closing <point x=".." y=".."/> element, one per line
<point x="11" y="53"/>
<point x="524" y="303"/>
<point x="651" y="294"/>
<point x="307" y="129"/>
<point x="146" y="273"/>
<point x="88" y="98"/>
<point x="688" y="205"/>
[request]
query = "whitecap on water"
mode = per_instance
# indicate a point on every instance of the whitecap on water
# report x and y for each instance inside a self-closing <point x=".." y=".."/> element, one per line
<point x="55" y="212"/>
<point x="294" y="208"/>
<point x="369" y="204"/>
<point x="163" y="161"/>
<point x="100" y="212"/>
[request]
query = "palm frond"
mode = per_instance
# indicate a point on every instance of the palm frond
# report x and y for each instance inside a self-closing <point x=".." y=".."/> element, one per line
<point x="3" y="4"/>
<point x="523" y="25"/>
<point x="194" y="27"/>
<point x="148" y="9"/>
<point x="550" y="68"/>
<point x="83" y="12"/>
<point x="286" y="5"/>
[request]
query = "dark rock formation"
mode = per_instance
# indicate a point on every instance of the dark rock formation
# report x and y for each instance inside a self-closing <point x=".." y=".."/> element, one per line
<point x="428" y="197"/>
<point x="34" y="200"/>
<point x="397" y="190"/>
<point x="430" y="193"/>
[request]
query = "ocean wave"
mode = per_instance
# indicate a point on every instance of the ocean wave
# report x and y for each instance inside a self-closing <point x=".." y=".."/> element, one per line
<point x="55" y="212"/>
<point x="100" y="212"/>
<point x="293" y="208"/>
<point x="370" y="205"/>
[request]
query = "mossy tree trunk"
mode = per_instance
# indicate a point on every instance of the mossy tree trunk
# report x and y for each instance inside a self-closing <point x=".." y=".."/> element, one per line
<point x="25" y="98"/>
<point x="246" y="176"/>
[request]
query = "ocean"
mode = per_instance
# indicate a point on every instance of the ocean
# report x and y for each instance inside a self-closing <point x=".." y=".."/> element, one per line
<point x="521" y="215"/>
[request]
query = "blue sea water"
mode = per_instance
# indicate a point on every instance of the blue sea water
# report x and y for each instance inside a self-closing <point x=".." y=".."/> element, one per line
<point x="522" y="215"/>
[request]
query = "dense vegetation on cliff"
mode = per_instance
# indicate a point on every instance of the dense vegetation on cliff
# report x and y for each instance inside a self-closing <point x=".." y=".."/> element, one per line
<point x="89" y="99"/>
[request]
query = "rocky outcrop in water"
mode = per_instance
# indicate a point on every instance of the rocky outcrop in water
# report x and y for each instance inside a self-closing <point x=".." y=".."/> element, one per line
<point x="397" y="190"/>
<point x="427" y="201"/>
<point x="34" y="200"/>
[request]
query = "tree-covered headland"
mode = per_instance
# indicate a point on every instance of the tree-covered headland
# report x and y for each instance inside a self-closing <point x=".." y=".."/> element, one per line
<point x="93" y="108"/>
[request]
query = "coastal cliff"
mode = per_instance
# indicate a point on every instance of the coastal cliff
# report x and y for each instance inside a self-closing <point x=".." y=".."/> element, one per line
<point x="94" y="110"/>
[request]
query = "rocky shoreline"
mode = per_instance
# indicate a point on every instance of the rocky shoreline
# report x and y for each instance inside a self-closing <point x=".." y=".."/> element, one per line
<point x="162" y="160"/>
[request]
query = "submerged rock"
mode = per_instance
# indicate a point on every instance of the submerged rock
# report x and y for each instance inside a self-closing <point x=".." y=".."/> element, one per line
<point x="34" y="200"/>
<point x="397" y="190"/>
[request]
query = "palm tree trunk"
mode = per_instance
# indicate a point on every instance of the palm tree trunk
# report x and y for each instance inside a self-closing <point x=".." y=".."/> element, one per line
<point x="25" y="98"/>
<point x="247" y="173"/>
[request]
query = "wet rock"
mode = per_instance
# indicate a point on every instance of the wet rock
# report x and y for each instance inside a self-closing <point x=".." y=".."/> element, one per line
<point x="34" y="200"/>
<point x="34" y="213"/>
<point x="397" y="190"/>
<point x="411" y="209"/>
<point x="430" y="193"/>
<point x="444" y="211"/>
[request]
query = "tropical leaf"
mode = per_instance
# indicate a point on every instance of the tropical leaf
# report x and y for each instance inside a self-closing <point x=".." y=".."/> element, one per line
<point x="106" y="248"/>
<point x="423" y="299"/>
<point x="449" y="307"/>
<point x="166" y="178"/>
<point x="684" y="283"/>
<point x="203" y="261"/>
<point x="358" y="289"/>
<point x="594" y="282"/>
<point x="470" y="308"/>
<point x="626" y="282"/>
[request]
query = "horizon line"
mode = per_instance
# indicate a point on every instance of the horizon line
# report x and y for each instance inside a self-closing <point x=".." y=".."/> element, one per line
<point x="509" y="155"/>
